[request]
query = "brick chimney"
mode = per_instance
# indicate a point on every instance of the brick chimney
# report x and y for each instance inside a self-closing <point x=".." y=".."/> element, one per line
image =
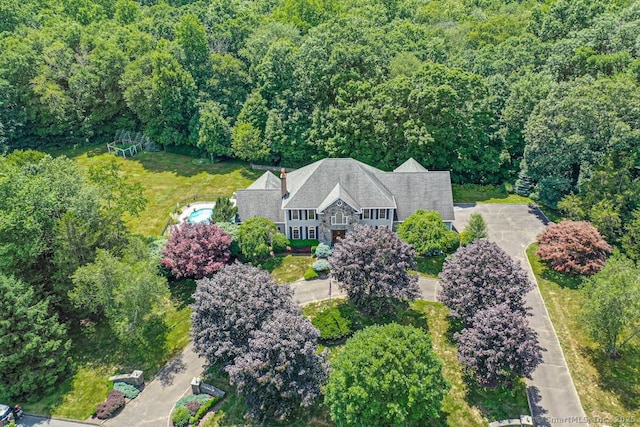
<point x="283" y="183"/>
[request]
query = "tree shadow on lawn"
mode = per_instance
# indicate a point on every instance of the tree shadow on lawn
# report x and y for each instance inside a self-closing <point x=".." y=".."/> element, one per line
<point x="620" y="377"/>
<point x="182" y="292"/>
<point x="497" y="403"/>
<point x="564" y="280"/>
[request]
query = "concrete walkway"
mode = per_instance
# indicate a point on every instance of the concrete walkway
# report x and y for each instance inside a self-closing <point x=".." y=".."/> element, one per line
<point x="37" y="421"/>
<point x="552" y="394"/>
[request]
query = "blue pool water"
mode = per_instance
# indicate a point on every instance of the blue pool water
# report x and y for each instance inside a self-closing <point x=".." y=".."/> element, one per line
<point x="200" y="215"/>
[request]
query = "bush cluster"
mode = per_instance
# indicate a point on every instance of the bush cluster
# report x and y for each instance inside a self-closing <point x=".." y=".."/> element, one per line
<point x="323" y="251"/>
<point x="181" y="417"/>
<point x="303" y="243"/>
<point x="200" y="398"/>
<point x="114" y="401"/>
<point x="202" y="411"/>
<point x="321" y="265"/>
<point x="279" y="243"/>
<point x="331" y="324"/>
<point x="310" y="274"/>
<point x="129" y="391"/>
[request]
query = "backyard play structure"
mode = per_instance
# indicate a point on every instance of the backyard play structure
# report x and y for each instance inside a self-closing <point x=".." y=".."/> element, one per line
<point x="128" y="143"/>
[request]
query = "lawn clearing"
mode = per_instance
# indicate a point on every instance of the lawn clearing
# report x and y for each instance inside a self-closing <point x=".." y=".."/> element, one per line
<point x="169" y="179"/>
<point x="287" y="268"/>
<point x="472" y="193"/>
<point x="608" y="389"/>
<point x="97" y="354"/>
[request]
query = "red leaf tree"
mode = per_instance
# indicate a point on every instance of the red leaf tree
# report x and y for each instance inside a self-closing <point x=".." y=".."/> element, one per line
<point x="574" y="247"/>
<point x="195" y="251"/>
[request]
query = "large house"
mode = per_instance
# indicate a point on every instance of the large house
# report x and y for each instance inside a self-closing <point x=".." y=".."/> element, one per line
<point x="327" y="198"/>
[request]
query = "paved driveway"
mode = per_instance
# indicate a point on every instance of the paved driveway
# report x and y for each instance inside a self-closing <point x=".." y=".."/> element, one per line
<point x="551" y="391"/>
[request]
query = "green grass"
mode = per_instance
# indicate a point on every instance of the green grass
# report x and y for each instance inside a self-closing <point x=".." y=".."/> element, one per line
<point x="430" y="266"/>
<point x="608" y="389"/>
<point x="169" y="179"/>
<point x="287" y="268"/>
<point x="97" y="354"/>
<point x="466" y="404"/>
<point x="473" y="193"/>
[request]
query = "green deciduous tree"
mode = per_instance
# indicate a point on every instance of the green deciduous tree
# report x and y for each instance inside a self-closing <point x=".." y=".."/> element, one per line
<point x="427" y="233"/>
<point x="247" y="143"/>
<point x="213" y="133"/>
<point x="254" y="237"/>
<point x="386" y="375"/>
<point x="128" y="291"/>
<point x="611" y="306"/>
<point x="476" y="228"/>
<point x="33" y="344"/>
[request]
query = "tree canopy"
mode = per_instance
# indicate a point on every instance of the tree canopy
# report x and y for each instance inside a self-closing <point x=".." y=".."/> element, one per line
<point x="386" y="375"/>
<point x="231" y="304"/>
<point x="480" y="276"/>
<point x="427" y="233"/>
<point x="372" y="265"/>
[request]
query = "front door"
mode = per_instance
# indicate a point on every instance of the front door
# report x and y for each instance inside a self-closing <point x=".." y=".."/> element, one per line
<point x="337" y="235"/>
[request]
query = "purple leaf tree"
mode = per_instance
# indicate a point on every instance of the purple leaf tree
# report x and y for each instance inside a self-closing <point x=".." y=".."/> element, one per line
<point x="574" y="247"/>
<point x="282" y="369"/>
<point x="195" y="251"/>
<point x="372" y="266"/>
<point x="231" y="304"/>
<point x="479" y="276"/>
<point x="499" y="347"/>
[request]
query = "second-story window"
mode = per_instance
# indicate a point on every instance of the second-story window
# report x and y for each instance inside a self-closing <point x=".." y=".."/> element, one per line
<point x="383" y="214"/>
<point x="295" y="214"/>
<point x="366" y="214"/>
<point x="339" y="219"/>
<point x="311" y="214"/>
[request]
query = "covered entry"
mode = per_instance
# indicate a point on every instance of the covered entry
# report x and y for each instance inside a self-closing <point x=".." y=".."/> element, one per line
<point x="337" y="235"/>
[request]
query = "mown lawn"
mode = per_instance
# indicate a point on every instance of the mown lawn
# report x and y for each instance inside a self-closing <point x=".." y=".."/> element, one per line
<point x="287" y="268"/>
<point x="430" y="266"/>
<point x="608" y="389"/>
<point x="97" y="354"/>
<point x="473" y="193"/>
<point x="170" y="179"/>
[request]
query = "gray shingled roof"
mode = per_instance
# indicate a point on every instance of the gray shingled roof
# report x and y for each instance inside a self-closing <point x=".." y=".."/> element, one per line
<point x="310" y="185"/>
<point x="266" y="181"/>
<point x="420" y="190"/>
<point x="260" y="202"/>
<point x="362" y="186"/>
<point x="338" y="193"/>
<point x="410" y="166"/>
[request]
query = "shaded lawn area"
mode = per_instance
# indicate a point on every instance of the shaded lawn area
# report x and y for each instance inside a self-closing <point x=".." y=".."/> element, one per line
<point x="96" y="354"/>
<point x="608" y="389"/>
<point x="287" y="268"/>
<point x="430" y="266"/>
<point x="472" y="193"/>
<point x="169" y="179"/>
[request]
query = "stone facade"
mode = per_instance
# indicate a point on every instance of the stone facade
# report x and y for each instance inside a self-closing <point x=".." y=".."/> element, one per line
<point x="326" y="228"/>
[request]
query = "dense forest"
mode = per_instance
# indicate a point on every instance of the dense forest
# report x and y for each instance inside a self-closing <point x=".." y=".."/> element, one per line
<point x="542" y="94"/>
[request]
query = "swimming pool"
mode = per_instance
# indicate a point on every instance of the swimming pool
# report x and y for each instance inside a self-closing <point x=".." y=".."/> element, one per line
<point x="200" y="215"/>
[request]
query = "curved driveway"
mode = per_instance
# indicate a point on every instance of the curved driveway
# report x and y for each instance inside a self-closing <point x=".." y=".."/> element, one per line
<point x="552" y="395"/>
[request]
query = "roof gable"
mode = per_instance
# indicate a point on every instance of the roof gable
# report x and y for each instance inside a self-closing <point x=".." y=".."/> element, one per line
<point x="338" y="193"/>
<point x="410" y="165"/>
<point x="309" y="186"/>
<point x="266" y="181"/>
